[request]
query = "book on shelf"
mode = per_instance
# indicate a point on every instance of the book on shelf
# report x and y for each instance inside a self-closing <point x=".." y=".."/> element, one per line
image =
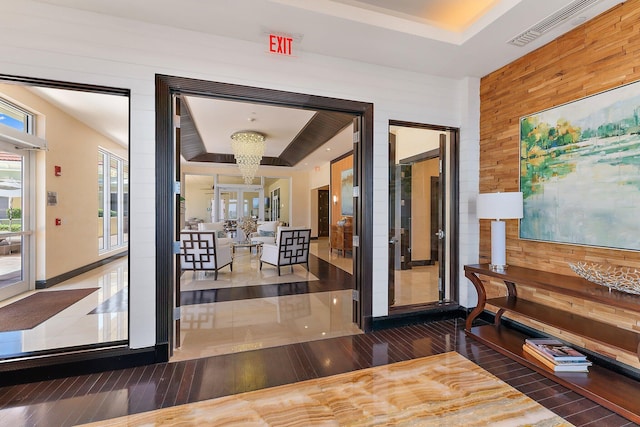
<point x="555" y="350"/>
<point x="562" y="366"/>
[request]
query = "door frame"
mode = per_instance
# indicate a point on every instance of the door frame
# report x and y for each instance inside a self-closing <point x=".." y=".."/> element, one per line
<point x="323" y="222"/>
<point x="168" y="167"/>
<point x="448" y="276"/>
<point x="27" y="248"/>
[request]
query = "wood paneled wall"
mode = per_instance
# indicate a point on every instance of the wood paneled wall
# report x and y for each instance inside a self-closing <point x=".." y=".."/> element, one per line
<point x="601" y="54"/>
<point x="336" y="177"/>
<point x="421" y="174"/>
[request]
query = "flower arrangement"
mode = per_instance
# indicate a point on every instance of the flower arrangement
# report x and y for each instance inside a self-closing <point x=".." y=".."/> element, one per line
<point x="248" y="225"/>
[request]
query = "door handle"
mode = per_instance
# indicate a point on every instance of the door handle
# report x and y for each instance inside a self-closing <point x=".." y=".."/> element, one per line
<point x="440" y="234"/>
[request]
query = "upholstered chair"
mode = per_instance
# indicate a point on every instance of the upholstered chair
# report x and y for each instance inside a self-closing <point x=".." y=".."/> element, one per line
<point x="291" y="247"/>
<point x="201" y="251"/>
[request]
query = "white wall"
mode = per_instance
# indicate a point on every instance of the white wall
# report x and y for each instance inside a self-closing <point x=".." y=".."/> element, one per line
<point x="300" y="200"/>
<point x="320" y="177"/>
<point x="45" y="41"/>
<point x="469" y="188"/>
<point x="198" y="193"/>
<point x="413" y="141"/>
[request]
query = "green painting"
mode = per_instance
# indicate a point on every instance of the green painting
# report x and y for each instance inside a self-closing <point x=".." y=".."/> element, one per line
<point x="580" y="171"/>
<point x="346" y="192"/>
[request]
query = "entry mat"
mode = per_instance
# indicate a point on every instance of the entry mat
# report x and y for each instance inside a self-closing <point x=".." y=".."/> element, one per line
<point x="441" y="390"/>
<point x="30" y="311"/>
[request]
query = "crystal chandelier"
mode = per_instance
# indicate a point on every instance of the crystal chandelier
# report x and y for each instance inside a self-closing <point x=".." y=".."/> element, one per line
<point x="248" y="149"/>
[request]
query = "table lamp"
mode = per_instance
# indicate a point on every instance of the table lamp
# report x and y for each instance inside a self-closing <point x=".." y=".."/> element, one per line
<point x="499" y="206"/>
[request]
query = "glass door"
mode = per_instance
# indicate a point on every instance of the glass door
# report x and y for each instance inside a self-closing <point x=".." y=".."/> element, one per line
<point x="416" y="218"/>
<point x="252" y="205"/>
<point x="113" y="201"/>
<point x="15" y="230"/>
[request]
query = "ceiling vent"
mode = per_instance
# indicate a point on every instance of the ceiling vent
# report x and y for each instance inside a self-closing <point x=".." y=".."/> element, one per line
<point x="551" y="21"/>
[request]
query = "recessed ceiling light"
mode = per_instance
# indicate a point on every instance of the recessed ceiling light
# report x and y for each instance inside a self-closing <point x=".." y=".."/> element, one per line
<point x="328" y="149"/>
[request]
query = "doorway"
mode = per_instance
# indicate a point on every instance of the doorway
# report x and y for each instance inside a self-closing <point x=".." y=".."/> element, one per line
<point x="422" y="216"/>
<point x="63" y="233"/>
<point x="15" y="178"/>
<point x="323" y="213"/>
<point x="168" y="173"/>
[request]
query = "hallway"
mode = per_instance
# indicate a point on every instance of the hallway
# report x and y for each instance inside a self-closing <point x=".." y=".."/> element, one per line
<point x="250" y="309"/>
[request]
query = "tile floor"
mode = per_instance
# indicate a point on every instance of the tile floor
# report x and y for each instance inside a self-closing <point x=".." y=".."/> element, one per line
<point x="101" y="317"/>
<point x="439" y="390"/>
<point x="248" y="308"/>
<point x="419" y="285"/>
<point x="287" y="310"/>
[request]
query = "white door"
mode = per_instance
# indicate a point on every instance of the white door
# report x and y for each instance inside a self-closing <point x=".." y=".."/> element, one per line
<point x="15" y="216"/>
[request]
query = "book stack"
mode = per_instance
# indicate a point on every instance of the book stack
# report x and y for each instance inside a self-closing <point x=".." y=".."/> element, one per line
<point x="556" y="355"/>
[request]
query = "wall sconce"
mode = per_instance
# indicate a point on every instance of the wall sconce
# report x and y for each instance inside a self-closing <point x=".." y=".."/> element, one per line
<point x="335" y="199"/>
<point x="499" y="206"/>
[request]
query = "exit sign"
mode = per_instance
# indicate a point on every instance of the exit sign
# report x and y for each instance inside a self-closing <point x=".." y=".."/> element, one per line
<point x="281" y="45"/>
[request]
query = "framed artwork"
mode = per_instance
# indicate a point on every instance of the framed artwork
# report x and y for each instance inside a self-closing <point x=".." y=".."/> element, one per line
<point x="580" y="171"/>
<point x="346" y="192"/>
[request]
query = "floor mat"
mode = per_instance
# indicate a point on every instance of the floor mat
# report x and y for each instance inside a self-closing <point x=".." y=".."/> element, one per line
<point x="29" y="312"/>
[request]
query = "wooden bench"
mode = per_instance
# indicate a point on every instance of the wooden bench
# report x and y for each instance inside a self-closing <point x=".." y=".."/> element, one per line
<point x="613" y="390"/>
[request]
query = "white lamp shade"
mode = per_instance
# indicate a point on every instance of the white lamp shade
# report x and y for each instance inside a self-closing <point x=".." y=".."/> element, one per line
<point x="499" y="205"/>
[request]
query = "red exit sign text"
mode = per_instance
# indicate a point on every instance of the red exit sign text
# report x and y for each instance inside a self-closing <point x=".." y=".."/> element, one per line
<point x="280" y="44"/>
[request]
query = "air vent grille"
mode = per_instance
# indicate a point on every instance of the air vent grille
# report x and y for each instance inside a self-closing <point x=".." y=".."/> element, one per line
<point x="551" y="21"/>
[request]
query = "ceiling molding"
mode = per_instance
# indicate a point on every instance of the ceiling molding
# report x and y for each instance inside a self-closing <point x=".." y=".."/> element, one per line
<point x="191" y="144"/>
<point x="228" y="158"/>
<point x="323" y="126"/>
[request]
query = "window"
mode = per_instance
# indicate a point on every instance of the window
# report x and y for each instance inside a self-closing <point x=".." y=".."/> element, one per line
<point x="15" y="117"/>
<point x="113" y="201"/>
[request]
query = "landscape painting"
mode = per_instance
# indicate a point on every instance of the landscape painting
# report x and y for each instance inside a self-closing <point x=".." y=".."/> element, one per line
<point x="346" y="192"/>
<point x="580" y="171"/>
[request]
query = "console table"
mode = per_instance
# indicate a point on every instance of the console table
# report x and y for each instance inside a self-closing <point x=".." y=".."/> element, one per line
<point x="342" y="238"/>
<point x="615" y="391"/>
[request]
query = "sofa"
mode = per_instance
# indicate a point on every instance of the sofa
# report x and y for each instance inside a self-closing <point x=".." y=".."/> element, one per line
<point x="219" y="228"/>
<point x="265" y="232"/>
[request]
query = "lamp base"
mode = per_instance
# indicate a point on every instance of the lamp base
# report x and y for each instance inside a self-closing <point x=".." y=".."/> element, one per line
<point x="499" y="268"/>
<point x="498" y="246"/>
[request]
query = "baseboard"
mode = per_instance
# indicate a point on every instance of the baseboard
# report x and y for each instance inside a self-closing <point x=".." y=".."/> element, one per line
<point x="79" y="362"/>
<point x="422" y="262"/>
<point x="52" y="281"/>
<point x="424" y="314"/>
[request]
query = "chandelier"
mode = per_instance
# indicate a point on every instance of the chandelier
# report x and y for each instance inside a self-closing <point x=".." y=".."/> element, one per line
<point x="248" y="149"/>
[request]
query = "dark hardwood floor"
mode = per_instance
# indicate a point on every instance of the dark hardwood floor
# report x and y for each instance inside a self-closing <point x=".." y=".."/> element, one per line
<point x="81" y="399"/>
